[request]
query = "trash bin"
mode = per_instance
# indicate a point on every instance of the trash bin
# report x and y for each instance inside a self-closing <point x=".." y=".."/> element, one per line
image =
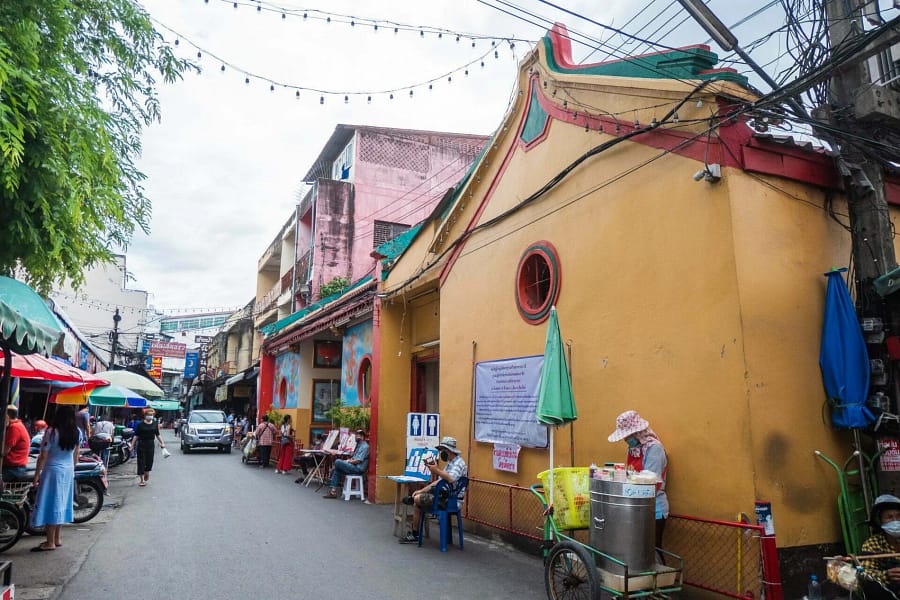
<point x="623" y="524"/>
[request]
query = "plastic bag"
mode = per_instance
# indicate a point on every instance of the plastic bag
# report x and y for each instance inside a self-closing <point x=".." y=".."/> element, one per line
<point x="250" y="448"/>
<point x="166" y="453"/>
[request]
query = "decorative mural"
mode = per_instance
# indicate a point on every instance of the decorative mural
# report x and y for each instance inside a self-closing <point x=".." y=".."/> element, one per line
<point x="287" y="369"/>
<point x="357" y="345"/>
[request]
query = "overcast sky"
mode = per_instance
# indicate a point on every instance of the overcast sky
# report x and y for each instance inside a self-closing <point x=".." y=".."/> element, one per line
<point x="225" y="165"/>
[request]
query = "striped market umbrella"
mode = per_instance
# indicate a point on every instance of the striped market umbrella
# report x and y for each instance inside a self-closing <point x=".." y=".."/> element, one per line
<point x="106" y="395"/>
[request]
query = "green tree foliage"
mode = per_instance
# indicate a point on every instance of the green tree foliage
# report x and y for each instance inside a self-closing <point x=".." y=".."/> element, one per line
<point x="333" y="287"/>
<point x="77" y="85"/>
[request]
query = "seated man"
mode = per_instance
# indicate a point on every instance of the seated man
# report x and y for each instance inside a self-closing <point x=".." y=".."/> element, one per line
<point x="424" y="498"/>
<point x="881" y="576"/>
<point x="306" y="460"/>
<point x="357" y="465"/>
<point x="16" y="445"/>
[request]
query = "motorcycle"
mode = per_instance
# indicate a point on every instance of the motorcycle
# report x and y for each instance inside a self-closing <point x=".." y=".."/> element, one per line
<point x="90" y="488"/>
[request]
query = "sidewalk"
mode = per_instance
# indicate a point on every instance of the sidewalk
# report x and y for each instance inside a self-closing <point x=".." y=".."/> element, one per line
<point x="40" y="575"/>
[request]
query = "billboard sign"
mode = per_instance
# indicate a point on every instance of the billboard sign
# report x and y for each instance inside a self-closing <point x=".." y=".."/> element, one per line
<point x="170" y="349"/>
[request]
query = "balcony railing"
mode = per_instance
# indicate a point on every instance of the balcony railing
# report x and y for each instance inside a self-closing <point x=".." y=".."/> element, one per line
<point x="268" y="301"/>
<point x="287" y="280"/>
<point x="302" y="267"/>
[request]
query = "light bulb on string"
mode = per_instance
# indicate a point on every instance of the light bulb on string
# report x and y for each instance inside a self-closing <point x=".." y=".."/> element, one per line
<point x="199" y="54"/>
<point x="176" y="41"/>
<point x="421" y="33"/>
<point x="391" y="97"/>
<point x="346" y="99"/>
<point x="482" y="64"/>
<point x="297" y="94"/>
<point x="321" y="99"/>
<point x="440" y="35"/>
<point x="283" y="16"/>
<point x="222" y="68"/>
<point x="235" y="4"/>
<point x="375" y="27"/>
<point x="410" y="93"/>
<point x="450" y="79"/>
<point x="304" y="16"/>
<point x="467" y="72"/>
<point x="430" y="86"/>
<point x="271" y="87"/>
<point x="328" y="19"/>
<point x="473" y="42"/>
<point x="247" y="80"/>
<point x="496" y="54"/>
<point x="675" y="117"/>
<point x="352" y="23"/>
<point x="369" y="99"/>
<point x="258" y="8"/>
<point x="396" y="29"/>
<point x="457" y="39"/>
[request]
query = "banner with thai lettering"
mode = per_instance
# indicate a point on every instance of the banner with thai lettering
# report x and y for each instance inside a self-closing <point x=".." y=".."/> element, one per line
<point x="506" y="394"/>
<point x="506" y="457"/>
<point x="170" y="349"/>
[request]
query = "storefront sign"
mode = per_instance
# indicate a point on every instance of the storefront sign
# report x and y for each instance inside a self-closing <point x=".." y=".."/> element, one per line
<point x="190" y="364"/>
<point x="423" y="430"/>
<point x="506" y="402"/>
<point x="506" y="457"/>
<point x="170" y="349"/>
<point x="156" y="374"/>
<point x="890" y="456"/>
<point x="202" y="339"/>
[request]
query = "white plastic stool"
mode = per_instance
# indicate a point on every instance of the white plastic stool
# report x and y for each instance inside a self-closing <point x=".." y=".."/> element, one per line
<point x="353" y="486"/>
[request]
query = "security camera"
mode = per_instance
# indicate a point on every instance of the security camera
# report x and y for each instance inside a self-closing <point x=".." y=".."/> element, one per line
<point x="699" y="174"/>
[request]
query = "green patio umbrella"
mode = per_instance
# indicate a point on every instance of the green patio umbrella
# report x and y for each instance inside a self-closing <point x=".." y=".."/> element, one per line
<point x="27" y="324"/>
<point x="556" y="403"/>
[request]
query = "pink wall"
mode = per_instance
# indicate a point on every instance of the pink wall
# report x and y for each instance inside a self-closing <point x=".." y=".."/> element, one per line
<point x="398" y="177"/>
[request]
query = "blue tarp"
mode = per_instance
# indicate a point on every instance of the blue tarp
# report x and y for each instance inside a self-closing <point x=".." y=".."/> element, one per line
<point x="843" y="357"/>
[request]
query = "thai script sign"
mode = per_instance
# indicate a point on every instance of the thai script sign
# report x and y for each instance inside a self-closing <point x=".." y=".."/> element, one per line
<point x="170" y="349"/>
<point x="506" y="457"/>
<point x="506" y="394"/>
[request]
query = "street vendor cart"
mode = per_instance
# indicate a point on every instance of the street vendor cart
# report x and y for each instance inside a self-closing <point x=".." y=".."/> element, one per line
<point x="620" y="558"/>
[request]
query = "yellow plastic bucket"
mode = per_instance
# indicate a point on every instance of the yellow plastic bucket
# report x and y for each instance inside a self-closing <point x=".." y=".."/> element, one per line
<point x="571" y="496"/>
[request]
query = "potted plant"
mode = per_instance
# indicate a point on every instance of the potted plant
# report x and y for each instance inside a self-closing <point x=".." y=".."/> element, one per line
<point x="353" y="417"/>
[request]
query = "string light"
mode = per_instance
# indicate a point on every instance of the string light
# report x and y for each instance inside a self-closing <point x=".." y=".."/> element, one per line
<point x="323" y="92"/>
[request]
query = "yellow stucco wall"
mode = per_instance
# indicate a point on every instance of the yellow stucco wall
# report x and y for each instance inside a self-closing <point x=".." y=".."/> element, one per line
<point x="698" y="304"/>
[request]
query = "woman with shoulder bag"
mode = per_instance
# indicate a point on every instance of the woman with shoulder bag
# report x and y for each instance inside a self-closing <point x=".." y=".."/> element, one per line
<point x="286" y="453"/>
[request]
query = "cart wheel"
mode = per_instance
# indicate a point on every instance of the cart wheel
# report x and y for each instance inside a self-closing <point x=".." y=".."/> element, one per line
<point x="570" y="572"/>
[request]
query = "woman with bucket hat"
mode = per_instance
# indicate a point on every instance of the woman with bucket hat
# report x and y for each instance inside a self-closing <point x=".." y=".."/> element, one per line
<point x="881" y="576"/>
<point x="645" y="453"/>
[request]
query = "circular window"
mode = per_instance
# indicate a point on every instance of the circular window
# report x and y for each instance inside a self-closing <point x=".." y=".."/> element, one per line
<point x="537" y="282"/>
<point x="364" y="383"/>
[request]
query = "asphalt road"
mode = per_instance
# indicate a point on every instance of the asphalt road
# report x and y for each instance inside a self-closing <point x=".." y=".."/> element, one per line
<point x="208" y="526"/>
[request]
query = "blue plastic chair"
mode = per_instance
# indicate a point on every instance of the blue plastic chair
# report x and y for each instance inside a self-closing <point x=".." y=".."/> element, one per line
<point x="443" y="514"/>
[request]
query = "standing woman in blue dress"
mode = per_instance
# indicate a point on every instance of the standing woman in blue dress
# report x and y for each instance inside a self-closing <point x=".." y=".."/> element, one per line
<point x="54" y="477"/>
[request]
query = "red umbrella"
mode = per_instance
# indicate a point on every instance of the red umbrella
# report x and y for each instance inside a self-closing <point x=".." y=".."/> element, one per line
<point x="35" y="366"/>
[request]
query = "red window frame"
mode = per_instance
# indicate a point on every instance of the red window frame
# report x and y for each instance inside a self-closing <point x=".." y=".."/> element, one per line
<point x="542" y="254"/>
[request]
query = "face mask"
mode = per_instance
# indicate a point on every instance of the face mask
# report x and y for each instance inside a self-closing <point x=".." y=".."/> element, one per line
<point x="892" y="528"/>
<point x="445" y="457"/>
<point x="148" y="419"/>
<point x="632" y="442"/>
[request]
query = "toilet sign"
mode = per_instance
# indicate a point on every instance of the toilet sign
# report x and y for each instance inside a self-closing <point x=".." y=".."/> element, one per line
<point x="423" y="430"/>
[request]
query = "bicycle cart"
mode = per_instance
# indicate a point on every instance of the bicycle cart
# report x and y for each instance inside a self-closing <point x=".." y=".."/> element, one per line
<point x="573" y="569"/>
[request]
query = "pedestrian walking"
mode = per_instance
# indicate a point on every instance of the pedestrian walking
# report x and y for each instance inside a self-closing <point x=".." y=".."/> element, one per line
<point x="265" y="436"/>
<point x="54" y="477"/>
<point x="286" y="452"/>
<point x="146" y="432"/>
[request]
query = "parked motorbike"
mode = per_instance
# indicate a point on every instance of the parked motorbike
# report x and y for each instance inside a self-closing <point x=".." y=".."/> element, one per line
<point x="120" y="449"/>
<point x="90" y="486"/>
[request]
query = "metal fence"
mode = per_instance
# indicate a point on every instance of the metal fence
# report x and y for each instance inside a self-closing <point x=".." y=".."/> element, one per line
<point x="729" y="558"/>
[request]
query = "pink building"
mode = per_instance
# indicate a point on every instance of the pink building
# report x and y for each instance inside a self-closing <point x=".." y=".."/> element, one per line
<point x="370" y="184"/>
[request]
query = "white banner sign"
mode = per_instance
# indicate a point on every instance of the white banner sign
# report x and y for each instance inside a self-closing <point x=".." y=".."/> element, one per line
<point x="506" y="402"/>
<point x="506" y="457"/>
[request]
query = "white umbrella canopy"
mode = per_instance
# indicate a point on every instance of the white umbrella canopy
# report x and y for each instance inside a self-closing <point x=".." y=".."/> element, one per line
<point x="140" y="384"/>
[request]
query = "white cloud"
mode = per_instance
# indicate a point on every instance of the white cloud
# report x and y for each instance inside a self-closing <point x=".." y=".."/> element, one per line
<point x="225" y="163"/>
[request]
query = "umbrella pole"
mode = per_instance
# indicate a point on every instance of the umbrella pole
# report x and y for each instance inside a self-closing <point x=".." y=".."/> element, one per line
<point x="571" y="423"/>
<point x="5" y="382"/>
<point x="46" y="402"/>
<point x="863" y="474"/>
<point x="550" y="496"/>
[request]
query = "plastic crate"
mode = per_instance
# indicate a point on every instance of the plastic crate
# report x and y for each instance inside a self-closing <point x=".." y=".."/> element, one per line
<point x="571" y="496"/>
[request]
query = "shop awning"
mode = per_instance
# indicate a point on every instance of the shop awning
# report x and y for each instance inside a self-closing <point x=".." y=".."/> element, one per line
<point x="27" y="324"/>
<point x="242" y="376"/>
<point x="164" y="404"/>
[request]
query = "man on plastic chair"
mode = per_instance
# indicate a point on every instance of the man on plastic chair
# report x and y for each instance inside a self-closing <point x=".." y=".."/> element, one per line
<point x="424" y="498"/>
<point x="357" y="465"/>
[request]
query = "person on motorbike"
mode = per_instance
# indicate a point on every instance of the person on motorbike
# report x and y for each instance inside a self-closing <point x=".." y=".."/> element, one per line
<point x="40" y="426"/>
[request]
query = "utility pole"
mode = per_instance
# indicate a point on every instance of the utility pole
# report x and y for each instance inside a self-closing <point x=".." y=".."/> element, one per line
<point x="114" y="339"/>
